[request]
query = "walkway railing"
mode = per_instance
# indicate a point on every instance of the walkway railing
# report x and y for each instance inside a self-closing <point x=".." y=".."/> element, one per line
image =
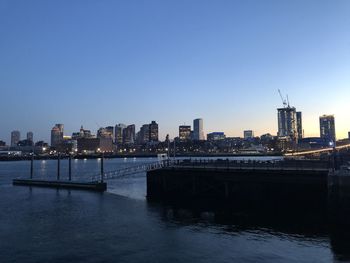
<point x="122" y="172"/>
<point x="256" y="165"/>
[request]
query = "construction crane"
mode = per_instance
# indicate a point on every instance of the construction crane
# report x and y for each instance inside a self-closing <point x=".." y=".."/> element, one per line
<point x="283" y="100"/>
<point x="290" y="118"/>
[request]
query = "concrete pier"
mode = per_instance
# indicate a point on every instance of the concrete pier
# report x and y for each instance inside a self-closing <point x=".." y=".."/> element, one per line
<point x="248" y="185"/>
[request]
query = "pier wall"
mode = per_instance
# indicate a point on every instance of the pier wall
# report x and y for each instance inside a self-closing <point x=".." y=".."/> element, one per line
<point x="239" y="187"/>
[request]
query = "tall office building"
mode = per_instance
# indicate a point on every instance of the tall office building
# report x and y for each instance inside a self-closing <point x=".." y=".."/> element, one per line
<point x="60" y="127"/>
<point x="248" y="134"/>
<point x="15" y="138"/>
<point x="118" y="133"/>
<point x="30" y="136"/>
<point x="299" y="125"/>
<point x="198" y="133"/>
<point x="129" y="134"/>
<point x="184" y="132"/>
<point x="153" y="132"/>
<point x="56" y="135"/>
<point x="327" y="127"/>
<point x="287" y="123"/>
<point x="144" y="134"/>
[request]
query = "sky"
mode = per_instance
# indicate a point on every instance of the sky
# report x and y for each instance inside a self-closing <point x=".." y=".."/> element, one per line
<point x="99" y="63"/>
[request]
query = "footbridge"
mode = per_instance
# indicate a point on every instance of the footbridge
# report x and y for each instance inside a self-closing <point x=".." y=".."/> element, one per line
<point x="94" y="182"/>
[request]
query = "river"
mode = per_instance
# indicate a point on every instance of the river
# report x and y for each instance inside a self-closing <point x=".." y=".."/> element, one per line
<point x="49" y="225"/>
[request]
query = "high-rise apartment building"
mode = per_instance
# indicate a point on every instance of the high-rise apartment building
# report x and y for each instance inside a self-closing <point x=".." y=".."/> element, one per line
<point x="153" y="132"/>
<point x="327" y="127"/>
<point x="198" y="133"/>
<point x="15" y="138"/>
<point x="287" y="123"/>
<point x="184" y="132"/>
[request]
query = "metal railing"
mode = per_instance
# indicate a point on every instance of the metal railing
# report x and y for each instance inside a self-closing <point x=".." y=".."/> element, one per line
<point x="256" y="165"/>
<point x="122" y="172"/>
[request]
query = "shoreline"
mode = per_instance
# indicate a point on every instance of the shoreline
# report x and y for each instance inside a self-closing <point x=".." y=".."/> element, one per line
<point x="116" y="156"/>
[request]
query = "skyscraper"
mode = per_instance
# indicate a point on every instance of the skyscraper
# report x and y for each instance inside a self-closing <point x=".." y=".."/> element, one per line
<point x="56" y="135"/>
<point x="118" y="133"/>
<point x="327" y="127"/>
<point x="144" y="134"/>
<point x="184" y="132"/>
<point x="287" y="123"/>
<point x="198" y="133"/>
<point x="60" y="127"/>
<point x="30" y="136"/>
<point x="300" y="125"/>
<point x="129" y="134"/>
<point x="15" y="138"/>
<point x="153" y="132"/>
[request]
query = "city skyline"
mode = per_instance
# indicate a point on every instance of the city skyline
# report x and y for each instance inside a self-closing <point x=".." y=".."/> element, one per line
<point x="190" y="128"/>
<point x="101" y="64"/>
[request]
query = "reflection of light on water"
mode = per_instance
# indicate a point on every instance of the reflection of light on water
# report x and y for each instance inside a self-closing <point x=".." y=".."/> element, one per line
<point x="125" y="159"/>
<point x="134" y="159"/>
<point x="43" y="169"/>
<point x="76" y="160"/>
<point x="98" y="159"/>
<point x="85" y="160"/>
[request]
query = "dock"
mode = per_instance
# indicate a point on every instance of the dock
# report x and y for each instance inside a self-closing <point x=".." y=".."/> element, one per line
<point x="92" y="186"/>
<point x="95" y="183"/>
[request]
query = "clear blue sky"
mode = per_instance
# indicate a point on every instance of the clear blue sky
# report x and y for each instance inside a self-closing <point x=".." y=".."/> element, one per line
<point x="98" y="63"/>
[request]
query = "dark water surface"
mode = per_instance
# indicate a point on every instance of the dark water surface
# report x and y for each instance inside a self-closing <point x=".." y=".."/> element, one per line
<point x="49" y="225"/>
